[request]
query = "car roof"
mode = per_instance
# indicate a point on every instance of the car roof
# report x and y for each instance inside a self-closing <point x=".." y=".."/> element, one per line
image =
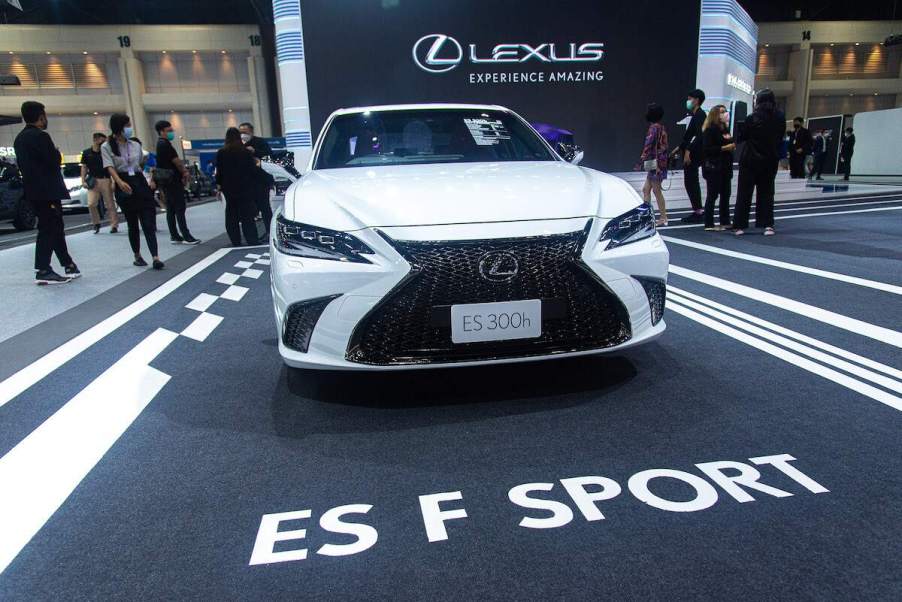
<point x="418" y="106"/>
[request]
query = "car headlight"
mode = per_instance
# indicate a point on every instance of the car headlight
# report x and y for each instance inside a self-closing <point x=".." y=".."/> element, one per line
<point x="303" y="240"/>
<point x="633" y="225"/>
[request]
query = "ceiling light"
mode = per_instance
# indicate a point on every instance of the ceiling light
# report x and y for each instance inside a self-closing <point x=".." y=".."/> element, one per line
<point x="11" y="52"/>
<point x="222" y="51"/>
<point x="194" y="52"/>
<point x="84" y="52"/>
<point x="95" y="112"/>
<point x="48" y="52"/>
<point x="164" y="52"/>
<point x="831" y="43"/>
<point x="858" y="43"/>
<point x="767" y="45"/>
<point x="230" y="110"/>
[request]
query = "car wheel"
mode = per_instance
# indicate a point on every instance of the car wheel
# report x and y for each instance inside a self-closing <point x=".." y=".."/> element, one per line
<point x="25" y="217"/>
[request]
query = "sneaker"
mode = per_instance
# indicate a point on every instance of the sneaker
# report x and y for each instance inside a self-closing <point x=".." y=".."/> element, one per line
<point x="176" y="241"/>
<point x="190" y="240"/>
<point x="49" y="277"/>
<point x="769" y="232"/>
<point x="693" y="218"/>
<point x="139" y="262"/>
<point x="158" y="265"/>
<point x="96" y="228"/>
<point x="739" y="232"/>
<point x="114" y="230"/>
<point x="72" y="272"/>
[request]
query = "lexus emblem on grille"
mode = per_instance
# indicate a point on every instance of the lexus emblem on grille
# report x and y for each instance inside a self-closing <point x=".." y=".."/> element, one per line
<point x="498" y="266"/>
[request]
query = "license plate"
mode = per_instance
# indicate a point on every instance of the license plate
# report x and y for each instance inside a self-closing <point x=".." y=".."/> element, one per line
<point x="505" y="320"/>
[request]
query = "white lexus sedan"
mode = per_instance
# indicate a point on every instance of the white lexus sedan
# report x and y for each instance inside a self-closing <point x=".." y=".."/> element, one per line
<point x="452" y="235"/>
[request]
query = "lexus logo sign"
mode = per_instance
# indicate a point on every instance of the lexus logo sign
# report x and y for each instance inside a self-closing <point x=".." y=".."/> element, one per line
<point x="498" y="266"/>
<point x="427" y="53"/>
<point x="440" y="53"/>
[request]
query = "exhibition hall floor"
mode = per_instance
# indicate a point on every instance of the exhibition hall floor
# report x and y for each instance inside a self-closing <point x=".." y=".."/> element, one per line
<point x="143" y="457"/>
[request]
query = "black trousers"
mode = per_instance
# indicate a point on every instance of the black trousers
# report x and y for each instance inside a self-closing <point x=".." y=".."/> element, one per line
<point x="693" y="187"/>
<point x="819" y="161"/>
<point x="719" y="183"/>
<point x="140" y="210"/>
<point x="847" y="167"/>
<point x="239" y="217"/>
<point x="796" y="164"/>
<point x="175" y="210"/>
<point x="263" y="206"/>
<point x="760" y="180"/>
<point x="51" y="235"/>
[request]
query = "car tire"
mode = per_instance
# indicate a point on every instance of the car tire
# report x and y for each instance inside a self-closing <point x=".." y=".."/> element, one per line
<point x="25" y="219"/>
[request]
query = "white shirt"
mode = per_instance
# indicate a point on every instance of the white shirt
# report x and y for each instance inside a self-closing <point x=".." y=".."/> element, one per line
<point x="127" y="161"/>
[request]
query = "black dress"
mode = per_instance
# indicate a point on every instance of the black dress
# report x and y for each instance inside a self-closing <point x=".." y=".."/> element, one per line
<point x="236" y="175"/>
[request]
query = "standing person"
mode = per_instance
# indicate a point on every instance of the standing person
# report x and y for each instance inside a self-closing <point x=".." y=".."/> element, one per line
<point x="122" y="158"/>
<point x="39" y="163"/>
<point x="799" y="148"/>
<point x="92" y="169"/>
<point x="761" y="134"/>
<point x="718" y="166"/>
<point x="819" y="147"/>
<point x="845" y="153"/>
<point x="654" y="159"/>
<point x="691" y="147"/>
<point x="171" y="176"/>
<point x="236" y="178"/>
<point x="260" y="148"/>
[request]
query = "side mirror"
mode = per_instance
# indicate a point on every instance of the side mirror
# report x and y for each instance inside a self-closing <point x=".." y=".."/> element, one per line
<point x="571" y="153"/>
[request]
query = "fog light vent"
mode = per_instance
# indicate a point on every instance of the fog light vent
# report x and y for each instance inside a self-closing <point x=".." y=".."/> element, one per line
<point x="300" y="320"/>
<point x="657" y="293"/>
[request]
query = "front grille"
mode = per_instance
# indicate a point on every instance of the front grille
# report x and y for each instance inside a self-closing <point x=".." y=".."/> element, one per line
<point x="300" y="320"/>
<point x="412" y="324"/>
<point x="656" y="290"/>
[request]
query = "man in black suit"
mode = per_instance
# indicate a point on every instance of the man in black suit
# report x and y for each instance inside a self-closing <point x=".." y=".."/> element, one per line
<point x="261" y="149"/>
<point x="800" y="145"/>
<point x="846" y="152"/>
<point x="693" y="156"/>
<point x="40" y="164"/>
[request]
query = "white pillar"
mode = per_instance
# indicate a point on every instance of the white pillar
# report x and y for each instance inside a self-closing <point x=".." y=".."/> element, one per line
<point x="133" y="89"/>
<point x="293" y="79"/>
<point x="256" y="71"/>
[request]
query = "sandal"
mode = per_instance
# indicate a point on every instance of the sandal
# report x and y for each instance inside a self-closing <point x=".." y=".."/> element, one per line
<point x="769" y="231"/>
<point x="661" y="222"/>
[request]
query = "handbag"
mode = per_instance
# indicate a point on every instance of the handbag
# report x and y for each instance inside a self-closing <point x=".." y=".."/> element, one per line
<point x="90" y="182"/>
<point x="163" y="176"/>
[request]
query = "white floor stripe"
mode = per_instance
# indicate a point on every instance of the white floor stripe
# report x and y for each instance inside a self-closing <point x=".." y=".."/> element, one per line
<point x="29" y="375"/>
<point x="783" y="217"/>
<point x="202" y="326"/>
<point x="848" y="355"/>
<point x="202" y="302"/>
<point x="243" y="265"/>
<point x="263" y="261"/>
<point x="797" y="360"/>
<point x="253" y="256"/>
<point x="252" y="273"/>
<point x="234" y="293"/>
<point x="878" y="333"/>
<point x="824" y="358"/>
<point x="880" y="286"/>
<point x="861" y="201"/>
<point x="228" y="278"/>
<point x="39" y="473"/>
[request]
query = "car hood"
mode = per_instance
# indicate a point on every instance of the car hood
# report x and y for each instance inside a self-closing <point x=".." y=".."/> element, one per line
<point x="435" y="194"/>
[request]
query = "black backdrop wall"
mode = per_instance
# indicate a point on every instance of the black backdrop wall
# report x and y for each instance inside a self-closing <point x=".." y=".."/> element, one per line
<point x="360" y="52"/>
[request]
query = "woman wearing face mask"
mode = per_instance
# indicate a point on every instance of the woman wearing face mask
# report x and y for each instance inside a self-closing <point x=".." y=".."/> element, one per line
<point x="123" y="158"/>
<point x="717" y="169"/>
<point x="654" y="160"/>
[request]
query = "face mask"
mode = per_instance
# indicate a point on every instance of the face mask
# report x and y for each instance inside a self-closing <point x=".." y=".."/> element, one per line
<point x="170" y="136"/>
<point x="245" y="138"/>
<point x="689" y="104"/>
<point x="128" y="132"/>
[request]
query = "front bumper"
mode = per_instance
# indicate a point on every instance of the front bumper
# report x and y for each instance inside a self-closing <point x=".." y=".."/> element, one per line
<point x="352" y="292"/>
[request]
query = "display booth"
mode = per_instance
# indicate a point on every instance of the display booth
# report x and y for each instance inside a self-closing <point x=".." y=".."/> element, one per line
<point x="584" y="66"/>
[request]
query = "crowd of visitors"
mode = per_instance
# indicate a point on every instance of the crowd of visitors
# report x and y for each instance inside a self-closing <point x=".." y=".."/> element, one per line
<point x="113" y="172"/>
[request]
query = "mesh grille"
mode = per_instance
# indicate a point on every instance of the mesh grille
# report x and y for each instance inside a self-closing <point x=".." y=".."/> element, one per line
<point x="300" y="319"/>
<point x="412" y="324"/>
<point x="657" y="295"/>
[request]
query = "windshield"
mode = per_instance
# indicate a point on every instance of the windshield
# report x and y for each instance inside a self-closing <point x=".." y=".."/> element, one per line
<point x="71" y="170"/>
<point x="428" y="136"/>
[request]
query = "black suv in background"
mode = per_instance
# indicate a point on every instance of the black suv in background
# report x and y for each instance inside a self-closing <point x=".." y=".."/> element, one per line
<point x="12" y="198"/>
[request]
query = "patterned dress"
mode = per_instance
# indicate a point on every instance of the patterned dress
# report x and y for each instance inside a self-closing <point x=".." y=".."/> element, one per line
<point x="656" y="148"/>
